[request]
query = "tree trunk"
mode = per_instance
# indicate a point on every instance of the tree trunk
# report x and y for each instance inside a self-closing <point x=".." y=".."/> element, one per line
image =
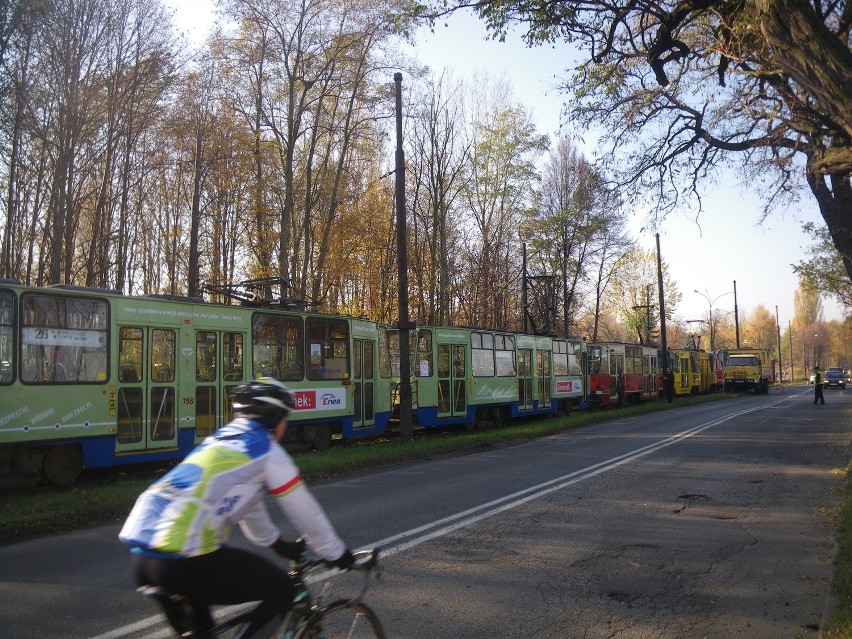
<point x="835" y="204"/>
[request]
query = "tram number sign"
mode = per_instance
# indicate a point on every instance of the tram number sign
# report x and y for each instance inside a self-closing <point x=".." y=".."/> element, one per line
<point x="62" y="337"/>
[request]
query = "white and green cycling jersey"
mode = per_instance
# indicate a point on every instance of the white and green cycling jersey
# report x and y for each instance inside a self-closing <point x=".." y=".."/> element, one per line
<point x="192" y="510"/>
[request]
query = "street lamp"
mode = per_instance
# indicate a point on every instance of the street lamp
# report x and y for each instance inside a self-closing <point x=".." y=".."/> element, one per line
<point x="710" y="303"/>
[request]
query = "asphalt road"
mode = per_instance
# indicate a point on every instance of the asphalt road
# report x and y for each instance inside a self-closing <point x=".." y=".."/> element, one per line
<point x="707" y="521"/>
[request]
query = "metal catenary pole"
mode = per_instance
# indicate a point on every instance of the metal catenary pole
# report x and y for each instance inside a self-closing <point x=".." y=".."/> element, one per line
<point x="405" y="418"/>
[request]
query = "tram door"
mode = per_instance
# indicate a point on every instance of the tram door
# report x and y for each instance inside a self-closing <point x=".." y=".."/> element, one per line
<point x="616" y="369"/>
<point x="646" y="374"/>
<point x="364" y="382"/>
<point x="525" y="379"/>
<point x="685" y="370"/>
<point x="145" y="399"/>
<point x="452" y="380"/>
<point x="545" y="383"/>
<point x="219" y="368"/>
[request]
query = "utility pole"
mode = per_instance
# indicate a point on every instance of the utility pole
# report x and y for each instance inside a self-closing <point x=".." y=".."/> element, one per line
<point x="524" y="293"/>
<point x="778" y="330"/>
<point x="736" y="315"/>
<point x="790" y="331"/>
<point x="663" y="346"/>
<point x="405" y="418"/>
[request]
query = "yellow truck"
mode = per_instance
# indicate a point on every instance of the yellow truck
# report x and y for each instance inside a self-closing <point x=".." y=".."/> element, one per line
<point x="749" y="368"/>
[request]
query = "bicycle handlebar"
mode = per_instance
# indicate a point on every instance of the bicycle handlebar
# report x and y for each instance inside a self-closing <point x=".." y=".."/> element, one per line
<point x="365" y="561"/>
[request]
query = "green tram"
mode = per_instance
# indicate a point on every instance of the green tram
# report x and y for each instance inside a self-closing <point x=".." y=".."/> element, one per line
<point x="92" y="378"/>
<point x="474" y="377"/>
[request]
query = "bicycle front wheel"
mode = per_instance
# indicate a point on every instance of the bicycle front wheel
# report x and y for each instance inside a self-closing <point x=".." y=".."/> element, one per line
<point x="355" y="621"/>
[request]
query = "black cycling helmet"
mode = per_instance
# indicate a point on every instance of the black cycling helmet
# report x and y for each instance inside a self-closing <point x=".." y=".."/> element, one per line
<point x="264" y="399"/>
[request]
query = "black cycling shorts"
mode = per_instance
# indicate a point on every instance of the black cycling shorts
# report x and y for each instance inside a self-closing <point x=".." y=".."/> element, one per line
<point x="225" y="576"/>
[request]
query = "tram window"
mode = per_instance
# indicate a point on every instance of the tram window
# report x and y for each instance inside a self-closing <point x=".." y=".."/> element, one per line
<point x="278" y="346"/>
<point x="458" y="361"/>
<point x="384" y="352"/>
<point x="129" y="415"/>
<point x="424" y="353"/>
<point x="162" y="413"/>
<point x="482" y="354"/>
<point x="443" y="361"/>
<point x="504" y="354"/>
<point x="205" y="356"/>
<point x="327" y="347"/>
<point x="390" y="354"/>
<point x="162" y="355"/>
<point x="7" y="314"/>
<point x="356" y="360"/>
<point x="205" y="411"/>
<point x="595" y="360"/>
<point x="633" y="360"/>
<point x="525" y="363"/>
<point x="560" y="358"/>
<point x="544" y="363"/>
<point x="368" y="360"/>
<point x="232" y="357"/>
<point x="130" y="355"/>
<point x="575" y="359"/>
<point x="63" y="339"/>
<point x="228" y="401"/>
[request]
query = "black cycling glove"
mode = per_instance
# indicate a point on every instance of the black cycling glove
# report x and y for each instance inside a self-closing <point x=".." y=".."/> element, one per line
<point x="343" y="562"/>
<point x="291" y="550"/>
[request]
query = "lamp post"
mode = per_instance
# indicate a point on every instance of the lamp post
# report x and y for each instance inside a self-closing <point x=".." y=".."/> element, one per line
<point x="792" y="368"/>
<point x="710" y="303"/>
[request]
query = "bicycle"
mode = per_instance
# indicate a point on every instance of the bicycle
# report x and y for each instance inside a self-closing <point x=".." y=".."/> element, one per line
<point x="309" y="618"/>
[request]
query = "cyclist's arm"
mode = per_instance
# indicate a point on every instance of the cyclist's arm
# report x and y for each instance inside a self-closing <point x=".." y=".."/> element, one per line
<point x="257" y="526"/>
<point x="300" y="507"/>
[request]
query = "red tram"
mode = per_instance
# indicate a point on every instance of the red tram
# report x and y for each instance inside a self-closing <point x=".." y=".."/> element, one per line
<point x="622" y="373"/>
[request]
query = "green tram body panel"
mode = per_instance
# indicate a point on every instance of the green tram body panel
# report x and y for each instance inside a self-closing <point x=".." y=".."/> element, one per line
<point x="467" y="376"/>
<point x="130" y="379"/>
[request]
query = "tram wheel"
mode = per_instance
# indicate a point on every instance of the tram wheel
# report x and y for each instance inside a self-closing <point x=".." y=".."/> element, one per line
<point x="319" y="437"/>
<point x="62" y="464"/>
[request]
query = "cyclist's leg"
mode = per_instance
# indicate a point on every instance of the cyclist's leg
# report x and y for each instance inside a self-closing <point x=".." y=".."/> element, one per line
<point x="231" y="576"/>
<point x="184" y="614"/>
<point x="226" y="576"/>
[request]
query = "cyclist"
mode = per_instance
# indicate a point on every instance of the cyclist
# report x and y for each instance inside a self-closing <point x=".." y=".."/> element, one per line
<point x="178" y="527"/>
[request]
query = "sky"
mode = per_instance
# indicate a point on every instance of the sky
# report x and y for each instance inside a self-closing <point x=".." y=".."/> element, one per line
<point x="729" y="233"/>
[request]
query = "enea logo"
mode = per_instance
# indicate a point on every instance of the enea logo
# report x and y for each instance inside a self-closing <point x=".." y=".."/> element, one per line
<point x="305" y="400"/>
<point x="567" y="387"/>
<point x="328" y="400"/>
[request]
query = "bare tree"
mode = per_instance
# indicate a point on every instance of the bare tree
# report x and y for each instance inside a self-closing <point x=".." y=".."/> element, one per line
<point x="437" y="156"/>
<point x="572" y="212"/>
<point x="499" y="189"/>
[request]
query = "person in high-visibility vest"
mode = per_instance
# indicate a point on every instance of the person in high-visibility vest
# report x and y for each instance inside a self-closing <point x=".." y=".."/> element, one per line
<point x="818" y="386"/>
